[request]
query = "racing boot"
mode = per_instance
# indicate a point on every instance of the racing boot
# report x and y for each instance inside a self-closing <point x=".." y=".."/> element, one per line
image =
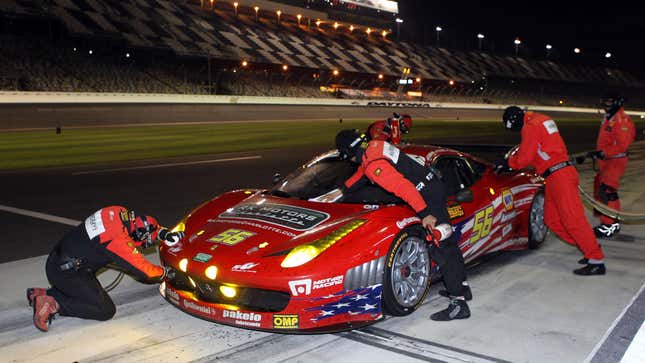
<point x="45" y="310"/>
<point x="32" y="292"/>
<point x="458" y="309"/>
<point x="591" y="269"/>
<point x="468" y="295"/>
<point x="606" y="231"/>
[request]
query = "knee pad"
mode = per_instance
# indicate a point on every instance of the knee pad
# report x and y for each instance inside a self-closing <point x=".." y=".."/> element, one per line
<point x="607" y="193"/>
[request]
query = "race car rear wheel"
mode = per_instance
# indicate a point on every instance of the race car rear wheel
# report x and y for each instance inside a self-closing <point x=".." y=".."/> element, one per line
<point x="407" y="273"/>
<point x="537" y="229"/>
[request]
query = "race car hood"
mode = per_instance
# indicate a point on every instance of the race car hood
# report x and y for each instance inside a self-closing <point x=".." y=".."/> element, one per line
<point x="253" y="233"/>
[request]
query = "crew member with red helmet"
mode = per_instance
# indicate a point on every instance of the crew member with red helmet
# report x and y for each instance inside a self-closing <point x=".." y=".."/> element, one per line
<point x="421" y="188"/>
<point x="543" y="147"/>
<point x="111" y="237"/>
<point x="390" y="130"/>
<point x="616" y="134"/>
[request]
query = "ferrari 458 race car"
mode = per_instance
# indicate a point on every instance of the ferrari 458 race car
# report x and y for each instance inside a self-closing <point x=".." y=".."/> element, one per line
<point x="278" y="260"/>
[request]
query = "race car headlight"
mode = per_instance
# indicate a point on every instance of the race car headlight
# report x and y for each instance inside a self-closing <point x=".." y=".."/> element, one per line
<point x="307" y="252"/>
<point x="180" y="227"/>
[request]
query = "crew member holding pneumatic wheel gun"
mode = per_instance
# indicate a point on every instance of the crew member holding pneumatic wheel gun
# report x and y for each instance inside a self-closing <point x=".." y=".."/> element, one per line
<point x="108" y="238"/>
<point x="421" y="188"/>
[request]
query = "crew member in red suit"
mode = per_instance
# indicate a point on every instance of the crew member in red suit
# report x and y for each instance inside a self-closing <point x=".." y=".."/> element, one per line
<point x="543" y="147"/>
<point x="617" y="132"/>
<point x="390" y="130"/>
<point x="385" y="165"/>
<point x="110" y="236"/>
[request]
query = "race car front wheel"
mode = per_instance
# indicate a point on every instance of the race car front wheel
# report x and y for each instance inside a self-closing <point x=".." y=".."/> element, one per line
<point x="537" y="228"/>
<point x="407" y="273"/>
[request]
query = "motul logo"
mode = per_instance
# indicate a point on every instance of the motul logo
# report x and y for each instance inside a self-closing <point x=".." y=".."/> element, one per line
<point x="242" y="316"/>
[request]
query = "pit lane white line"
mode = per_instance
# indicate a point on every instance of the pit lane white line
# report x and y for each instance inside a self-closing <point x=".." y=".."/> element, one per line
<point x="167" y="165"/>
<point x="47" y="217"/>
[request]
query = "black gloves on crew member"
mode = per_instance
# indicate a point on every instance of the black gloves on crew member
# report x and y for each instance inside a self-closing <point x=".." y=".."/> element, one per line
<point x="501" y="165"/>
<point x="598" y="154"/>
<point x="170" y="238"/>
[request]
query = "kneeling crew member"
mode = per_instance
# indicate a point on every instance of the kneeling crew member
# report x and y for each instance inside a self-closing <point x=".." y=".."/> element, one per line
<point x="110" y="236"/>
<point x="388" y="167"/>
<point x="616" y="134"/>
<point x="543" y="147"/>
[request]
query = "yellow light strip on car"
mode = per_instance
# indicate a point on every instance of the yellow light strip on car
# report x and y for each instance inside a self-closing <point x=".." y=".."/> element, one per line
<point x="308" y="251"/>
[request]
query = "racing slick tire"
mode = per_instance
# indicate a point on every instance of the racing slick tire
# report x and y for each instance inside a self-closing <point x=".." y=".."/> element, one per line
<point x="536" y="227"/>
<point x="406" y="279"/>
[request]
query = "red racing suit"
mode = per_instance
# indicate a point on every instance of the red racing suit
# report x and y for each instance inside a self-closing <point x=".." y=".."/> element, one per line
<point x="102" y="240"/>
<point x="385" y="130"/>
<point x="543" y="147"/>
<point x="616" y="135"/>
<point x="421" y="188"/>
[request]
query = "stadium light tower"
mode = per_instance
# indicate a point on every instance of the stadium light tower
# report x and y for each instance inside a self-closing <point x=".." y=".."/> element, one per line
<point x="577" y="50"/>
<point x="235" y="5"/>
<point x="480" y="37"/>
<point x="384" y="33"/>
<point x="279" y="12"/>
<point x="368" y="31"/>
<point x="548" y="49"/>
<point x="398" y="27"/>
<point x="257" y="9"/>
<point x="607" y="55"/>
<point x="517" y="43"/>
<point x="212" y="4"/>
<point x="299" y="17"/>
<point x="336" y="25"/>
<point x="351" y="28"/>
<point x="438" y="30"/>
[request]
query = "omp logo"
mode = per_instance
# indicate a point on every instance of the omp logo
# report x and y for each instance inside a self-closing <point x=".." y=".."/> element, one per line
<point x="285" y="321"/>
<point x="237" y="315"/>
<point x="300" y="287"/>
<point x="406" y="221"/>
<point x="304" y="287"/>
<point x="192" y="306"/>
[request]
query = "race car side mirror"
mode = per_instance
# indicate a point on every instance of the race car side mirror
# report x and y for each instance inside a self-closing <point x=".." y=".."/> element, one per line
<point x="276" y="178"/>
<point x="464" y="196"/>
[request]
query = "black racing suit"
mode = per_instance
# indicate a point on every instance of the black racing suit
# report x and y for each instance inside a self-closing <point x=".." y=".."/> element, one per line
<point x="422" y="189"/>
<point x="101" y="241"/>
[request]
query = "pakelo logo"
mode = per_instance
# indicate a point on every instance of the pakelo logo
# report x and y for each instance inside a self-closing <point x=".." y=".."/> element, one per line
<point x="406" y="222"/>
<point x="304" y="287"/>
<point x="285" y="321"/>
<point x="248" y="319"/>
<point x="245" y="267"/>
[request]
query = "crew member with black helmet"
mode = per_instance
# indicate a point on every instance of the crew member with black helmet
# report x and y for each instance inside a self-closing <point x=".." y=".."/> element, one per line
<point x="543" y="147"/>
<point x="616" y="134"/>
<point x="391" y="129"/>
<point x="110" y="237"/>
<point x="385" y="165"/>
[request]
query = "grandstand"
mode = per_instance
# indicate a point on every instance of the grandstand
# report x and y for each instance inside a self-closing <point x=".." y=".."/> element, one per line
<point x="165" y="46"/>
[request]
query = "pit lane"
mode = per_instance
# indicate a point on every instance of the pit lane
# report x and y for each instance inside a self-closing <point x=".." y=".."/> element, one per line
<point x="527" y="306"/>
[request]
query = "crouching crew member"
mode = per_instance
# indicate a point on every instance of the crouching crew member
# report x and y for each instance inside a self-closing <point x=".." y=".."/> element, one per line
<point x="543" y="147"/>
<point x="617" y="132"/>
<point x="109" y="237"/>
<point x="390" y="130"/>
<point x="421" y="188"/>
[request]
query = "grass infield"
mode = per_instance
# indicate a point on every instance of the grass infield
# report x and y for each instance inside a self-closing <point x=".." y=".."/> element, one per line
<point x="96" y="145"/>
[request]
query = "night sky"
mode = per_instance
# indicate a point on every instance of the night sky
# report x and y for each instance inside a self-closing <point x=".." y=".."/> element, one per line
<point x="615" y="28"/>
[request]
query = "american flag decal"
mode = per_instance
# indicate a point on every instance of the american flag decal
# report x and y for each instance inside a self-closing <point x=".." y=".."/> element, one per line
<point x="366" y="300"/>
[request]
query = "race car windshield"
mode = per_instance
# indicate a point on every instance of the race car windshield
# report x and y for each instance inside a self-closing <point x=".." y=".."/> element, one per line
<point x="316" y="178"/>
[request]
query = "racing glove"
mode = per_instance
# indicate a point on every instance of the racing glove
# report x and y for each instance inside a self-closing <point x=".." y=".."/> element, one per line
<point x="598" y="154"/>
<point x="170" y="238"/>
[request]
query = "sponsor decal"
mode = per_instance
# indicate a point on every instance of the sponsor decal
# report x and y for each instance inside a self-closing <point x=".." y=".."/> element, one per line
<point x="394" y="247"/>
<point x="420" y="186"/>
<point x="256" y="225"/>
<point x="172" y="295"/>
<point x="240" y="318"/>
<point x="176" y="249"/>
<point x="297" y="218"/>
<point x="94" y="225"/>
<point x="398" y="104"/>
<point x="231" y="237"/>
<point x="305" y="286"/>
<point x="407" y="221"/>
<point x="391" y="152"/>
<point x="371" y="206"/>
<point x="550" y="126"/>
<point x="281" y="321"/>
<point x="124" y="216"/>
<point x="198" y="308"/>
<point x="455" y="211"/>
<point x="507" y="199"/>
<point x="350" y="303"/>
<point x="377" y="172"/>
<point x="202" y="257"/>
<point x="245" y="267"/>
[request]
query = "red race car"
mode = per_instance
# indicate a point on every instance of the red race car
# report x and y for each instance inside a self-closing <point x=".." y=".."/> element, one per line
<point x="279" y="260"/>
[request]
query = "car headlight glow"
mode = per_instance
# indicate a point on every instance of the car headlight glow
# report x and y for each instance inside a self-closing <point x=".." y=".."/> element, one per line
<point x="183" y="264"/>
<point x="307" y="252"/>
<point x="211" y="272"/>
<point x="228" y="291"/>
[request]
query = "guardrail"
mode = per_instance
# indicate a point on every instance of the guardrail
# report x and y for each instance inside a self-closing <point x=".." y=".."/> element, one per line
<point x="150" y="98"/>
